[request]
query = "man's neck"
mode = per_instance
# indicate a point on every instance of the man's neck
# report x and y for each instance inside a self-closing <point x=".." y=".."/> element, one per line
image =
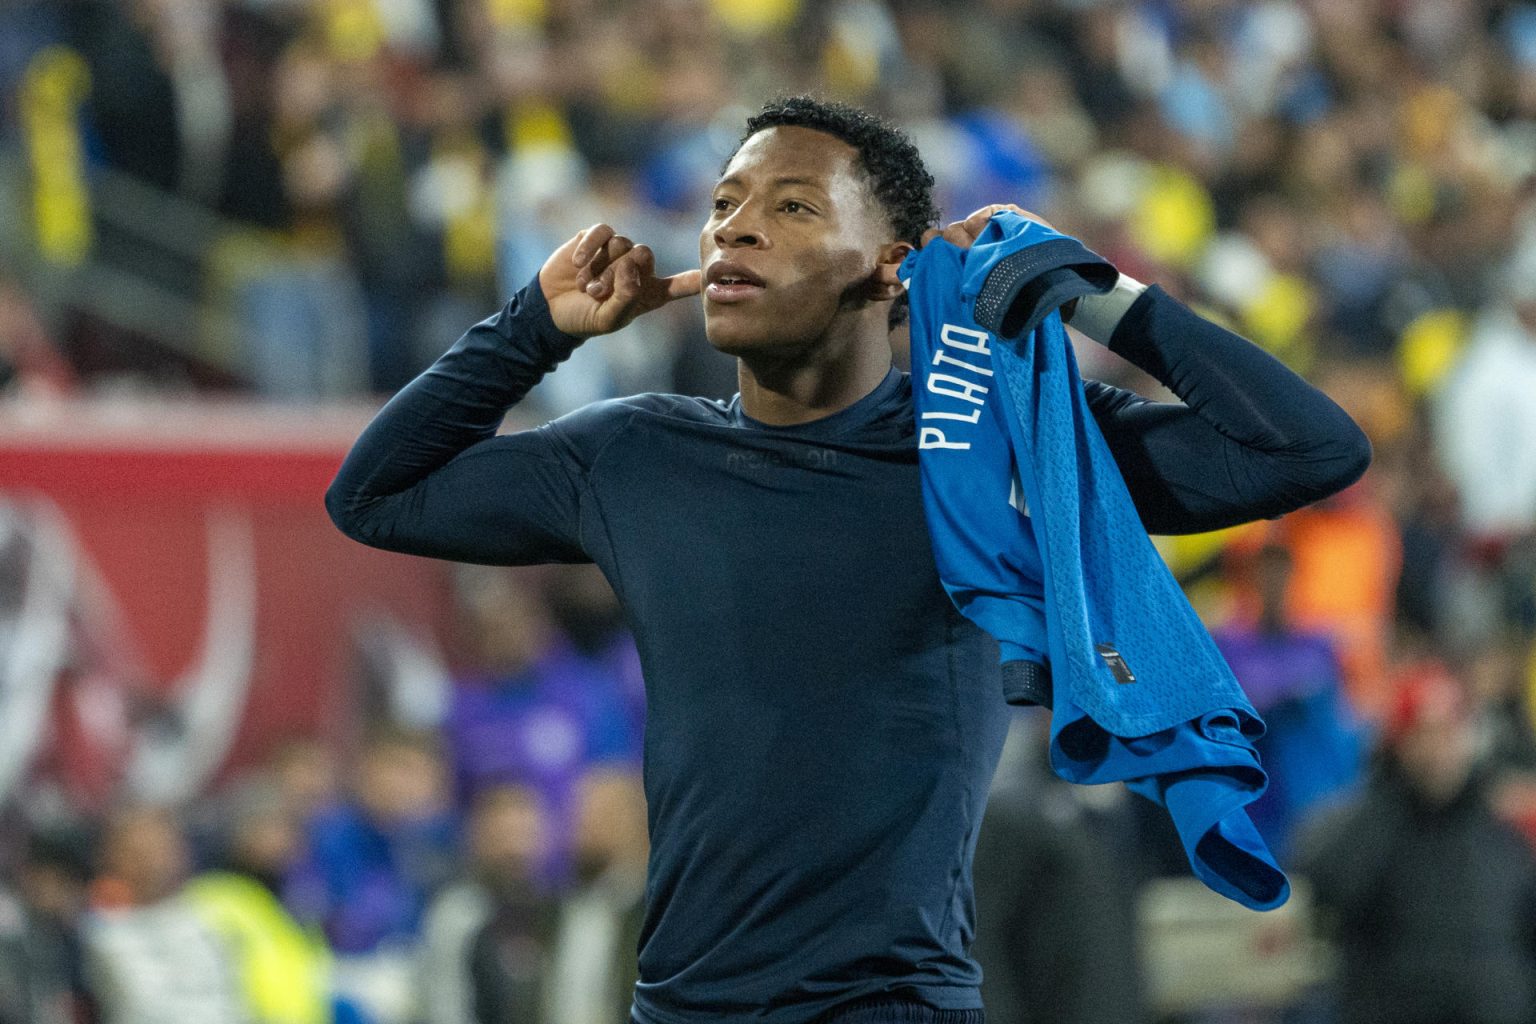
<point x="784" y="393"/>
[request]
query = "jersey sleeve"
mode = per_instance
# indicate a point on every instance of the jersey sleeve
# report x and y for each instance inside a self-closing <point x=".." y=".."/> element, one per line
<point x="430" y="477"/>
<point x="1250" y="440"/>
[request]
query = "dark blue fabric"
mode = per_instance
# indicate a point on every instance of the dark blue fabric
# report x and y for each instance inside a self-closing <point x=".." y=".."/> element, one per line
<point x="886" y="1011"/>
<point x="1038" y="541"/>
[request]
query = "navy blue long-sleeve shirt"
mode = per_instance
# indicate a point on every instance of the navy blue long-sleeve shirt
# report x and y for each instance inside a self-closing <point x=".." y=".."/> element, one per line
<point x="822" y="725"/>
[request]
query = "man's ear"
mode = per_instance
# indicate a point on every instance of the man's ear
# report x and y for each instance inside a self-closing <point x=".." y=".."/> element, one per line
<point x="885" y="284"/>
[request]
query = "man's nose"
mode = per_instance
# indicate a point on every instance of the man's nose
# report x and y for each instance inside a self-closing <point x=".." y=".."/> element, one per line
<point x="742" y="229"/>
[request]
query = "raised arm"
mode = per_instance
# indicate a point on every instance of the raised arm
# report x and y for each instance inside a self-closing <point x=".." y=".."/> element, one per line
<point x="430" y="477"/>
<point x="1250" y="440"/>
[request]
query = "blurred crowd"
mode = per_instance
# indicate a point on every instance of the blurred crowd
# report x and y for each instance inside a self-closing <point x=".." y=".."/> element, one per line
<point x="488" y="866"/>
<point x="1351" y="185"/>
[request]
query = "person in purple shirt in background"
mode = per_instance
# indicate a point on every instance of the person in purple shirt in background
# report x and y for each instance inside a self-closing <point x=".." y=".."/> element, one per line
<point x="535" y="709"/>
<point x="1312" y="748"/>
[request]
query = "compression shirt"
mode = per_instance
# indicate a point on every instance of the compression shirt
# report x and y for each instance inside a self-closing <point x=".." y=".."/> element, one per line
<point x="822" y="725"/>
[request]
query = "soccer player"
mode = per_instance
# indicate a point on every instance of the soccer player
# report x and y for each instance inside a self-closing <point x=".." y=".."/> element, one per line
<point x="822" y="725"/>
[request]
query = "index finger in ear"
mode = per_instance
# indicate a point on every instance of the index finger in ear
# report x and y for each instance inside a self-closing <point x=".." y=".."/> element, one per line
<point x="680" y="286"/>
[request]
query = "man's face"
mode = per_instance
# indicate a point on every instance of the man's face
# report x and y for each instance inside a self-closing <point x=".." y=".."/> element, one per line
<point x="400" y="782"/>
<point x="793" y="237"/>
<point x="507" y="835"/>
<point x="148" y="852"/>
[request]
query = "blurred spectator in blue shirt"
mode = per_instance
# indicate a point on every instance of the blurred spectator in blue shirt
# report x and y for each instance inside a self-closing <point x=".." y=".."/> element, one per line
<point x="371" y="864"/>
<point x="372" y="861"/>
<point x="1312" y="747"/>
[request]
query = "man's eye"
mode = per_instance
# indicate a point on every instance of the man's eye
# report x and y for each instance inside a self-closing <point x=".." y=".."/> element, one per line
<point x="793" y="207"/>
<point x="722" y="205"/>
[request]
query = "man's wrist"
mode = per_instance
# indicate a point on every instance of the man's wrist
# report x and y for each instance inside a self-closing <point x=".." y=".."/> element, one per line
<point x="536" y="307"/>
<point x="1097" y="316"/>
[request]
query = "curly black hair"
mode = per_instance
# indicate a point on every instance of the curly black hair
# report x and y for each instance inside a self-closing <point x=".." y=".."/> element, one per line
<point x="897" y="176"/>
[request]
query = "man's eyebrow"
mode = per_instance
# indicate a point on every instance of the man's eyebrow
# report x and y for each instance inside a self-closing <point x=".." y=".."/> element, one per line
<point x="777" y="182"/>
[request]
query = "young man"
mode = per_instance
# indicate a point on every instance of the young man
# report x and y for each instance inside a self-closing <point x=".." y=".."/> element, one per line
<point x="822" y="724"/>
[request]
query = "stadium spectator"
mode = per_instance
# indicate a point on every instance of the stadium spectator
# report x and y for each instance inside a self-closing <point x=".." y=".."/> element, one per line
<point x="133" y="110"/>
<point x="1056" y="876"/>
<point x="1486" y="438"/>
<point x="282" y="968"/>
<point x="597" y="942"/>
<point x="485" y="943"/>
<point x="530" y="710"/>
<point x="1431" y="898"/>
<point x="1499" y="706"/>
<point x="1311" y="748"/>
<point x="371" y="864"/>
<point x="41" y="958"/>
<point x="150" y="955"/>
<point x="1345" y="556"/>
<point x="1424" y="505"/>
<point x="304" y="771"/>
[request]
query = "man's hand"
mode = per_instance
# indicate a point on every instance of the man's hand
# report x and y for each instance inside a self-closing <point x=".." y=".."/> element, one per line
<point x="599" y="281"/>
<point x="963" y="232"/>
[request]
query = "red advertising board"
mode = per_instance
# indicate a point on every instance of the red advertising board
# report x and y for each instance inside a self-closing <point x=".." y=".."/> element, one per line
<point x="174" y="599"/>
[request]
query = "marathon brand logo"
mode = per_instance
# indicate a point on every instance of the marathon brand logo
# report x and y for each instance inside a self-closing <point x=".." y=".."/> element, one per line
<point x="962" y="376"/>
<point x="798" y="458"/>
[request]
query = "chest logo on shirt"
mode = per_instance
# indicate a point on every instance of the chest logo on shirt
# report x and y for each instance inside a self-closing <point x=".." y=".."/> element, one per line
<point x="798" y="458"/>
<point x="960" y="383"/>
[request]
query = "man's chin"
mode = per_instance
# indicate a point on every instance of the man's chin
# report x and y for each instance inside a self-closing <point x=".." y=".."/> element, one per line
<point x="736" y="337"/>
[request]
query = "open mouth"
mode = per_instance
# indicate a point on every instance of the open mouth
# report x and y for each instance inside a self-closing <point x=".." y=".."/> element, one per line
<point x="731" y="290"/>
<point x="730" y="282"/>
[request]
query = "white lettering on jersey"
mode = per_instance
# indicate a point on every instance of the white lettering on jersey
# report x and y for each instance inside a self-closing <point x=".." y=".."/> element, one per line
<point x="952" y="385"/>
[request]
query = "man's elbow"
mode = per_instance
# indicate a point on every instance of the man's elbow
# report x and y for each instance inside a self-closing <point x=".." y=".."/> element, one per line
<point x="1342" y="460"/>
<point x="345" y="511"/>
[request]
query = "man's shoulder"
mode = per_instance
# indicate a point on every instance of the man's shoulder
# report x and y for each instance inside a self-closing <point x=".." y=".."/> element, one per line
<point x="611" y="413"/>
<point x="583" y="433"/>
<point x="689" y="407"/>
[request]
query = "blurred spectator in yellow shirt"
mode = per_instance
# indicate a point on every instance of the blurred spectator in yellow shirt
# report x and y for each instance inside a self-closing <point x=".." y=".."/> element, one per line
<point x="283" y="968"/>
